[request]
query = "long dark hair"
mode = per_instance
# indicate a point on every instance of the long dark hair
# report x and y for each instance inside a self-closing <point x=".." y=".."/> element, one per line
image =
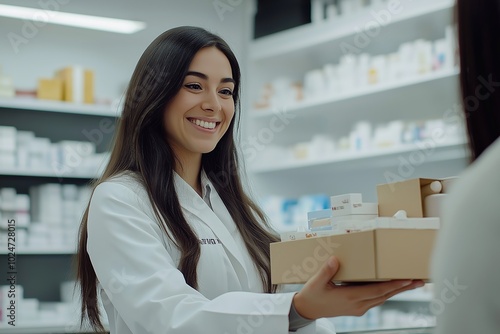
<point x="479" y="45"/>
<point x="140" y="147"/>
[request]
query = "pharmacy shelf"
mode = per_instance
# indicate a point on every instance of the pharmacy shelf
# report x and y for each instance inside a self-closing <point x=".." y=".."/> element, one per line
<point x="389" y="330"/>
<point x="413" y="296"/>
<point x="385" y="91"/>
<point x="58" y="107"/>
<point x="45" y="173"/>
<point x="40" y="250"/>
<point x="375" y="158"/>
<point x="43" y="328"/>
<point x="301" y="39"/>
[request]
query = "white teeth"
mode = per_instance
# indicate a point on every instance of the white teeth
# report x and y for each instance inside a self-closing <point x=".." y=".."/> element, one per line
<point x="204" y="124"/>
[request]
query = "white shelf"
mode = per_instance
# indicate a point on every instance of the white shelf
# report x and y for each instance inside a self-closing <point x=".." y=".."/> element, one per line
<point x="381" y="157"/>
<point x="43" y="327"/>
<point x="45" y="173"/>
<point x="58" y="106"/>
<point x="313" y="35"/>
<point x="305" y="107"/>
<point x="41" y="250"/>
<point x="411" y="296"/>
<point x="389" y="330"/>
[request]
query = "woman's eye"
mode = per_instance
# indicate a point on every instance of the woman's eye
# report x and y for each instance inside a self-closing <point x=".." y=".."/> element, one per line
<point x="227" y="92"/>
<point x="193" y="86"/>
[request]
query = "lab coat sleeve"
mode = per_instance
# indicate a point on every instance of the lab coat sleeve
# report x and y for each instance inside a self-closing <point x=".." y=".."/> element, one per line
<point x="149" y="293"/>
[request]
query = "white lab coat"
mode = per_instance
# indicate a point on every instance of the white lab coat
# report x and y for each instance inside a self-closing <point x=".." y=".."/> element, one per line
<point x="143" y="291"/>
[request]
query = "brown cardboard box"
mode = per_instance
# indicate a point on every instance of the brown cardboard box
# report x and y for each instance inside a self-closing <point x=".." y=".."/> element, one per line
<point x="373" y="255"/>
<point x="49" y="89"/>
<point x="404" y="195"/>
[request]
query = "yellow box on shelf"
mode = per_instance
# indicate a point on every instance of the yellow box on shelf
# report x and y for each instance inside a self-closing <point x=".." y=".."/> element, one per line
<point x="50" y="89"/>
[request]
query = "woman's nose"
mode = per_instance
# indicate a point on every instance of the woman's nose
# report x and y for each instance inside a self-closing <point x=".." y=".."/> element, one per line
<point x="211" y="102"/>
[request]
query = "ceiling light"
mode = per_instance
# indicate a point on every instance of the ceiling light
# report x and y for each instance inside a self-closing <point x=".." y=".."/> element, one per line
<point x="70" y="19"/>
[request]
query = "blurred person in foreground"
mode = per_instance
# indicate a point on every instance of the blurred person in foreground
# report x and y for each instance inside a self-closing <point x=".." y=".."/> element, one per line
<point x="465" y="268"/>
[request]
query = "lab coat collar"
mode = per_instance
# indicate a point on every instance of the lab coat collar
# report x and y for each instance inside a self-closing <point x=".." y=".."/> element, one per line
<point x="217" y="218"/>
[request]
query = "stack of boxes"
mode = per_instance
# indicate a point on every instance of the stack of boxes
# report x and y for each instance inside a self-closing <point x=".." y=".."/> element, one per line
<point x="46" y="219"/>
<point x="22" y="150"/>
<point x="31" y="310"/>
<point x="349" y="213"/>
<point x="6" y="86"/>
<point x="391" y="239"/>
<point x="71" y="84"/>
<point x="7" y="147"/>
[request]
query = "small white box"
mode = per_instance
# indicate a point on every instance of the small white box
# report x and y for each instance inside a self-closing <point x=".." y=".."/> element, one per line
<point x="355" y="209"/>
<point x="8" y="159"/>
<point x="388" y="222"/>
<point x="345" y="199"/>
<point x="7" y="139"/>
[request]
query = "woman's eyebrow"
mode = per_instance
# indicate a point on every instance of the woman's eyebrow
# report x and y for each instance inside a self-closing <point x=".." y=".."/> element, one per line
<point x="205" y="77"/>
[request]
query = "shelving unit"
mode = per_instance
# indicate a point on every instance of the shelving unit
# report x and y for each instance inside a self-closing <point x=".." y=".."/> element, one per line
<point x="58" y="106"/>
<point x="45" y="326"/>
<point x="293" y="53"/>
<point x="307" y="39"/>
<point x="351" y="160"/>
<point x="44" y="173"/>
<point x="422" y="85"/>
<point x="42" y="251"/>
<point x="41" y="270"/>
<point x="40" y="328"/>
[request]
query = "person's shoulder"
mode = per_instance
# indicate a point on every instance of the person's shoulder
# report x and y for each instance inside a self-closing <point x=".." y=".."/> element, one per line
<point x="479" y="184"/>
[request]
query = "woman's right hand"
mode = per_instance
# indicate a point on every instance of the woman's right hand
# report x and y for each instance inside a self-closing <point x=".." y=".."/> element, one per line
<point x="321" y="298"/>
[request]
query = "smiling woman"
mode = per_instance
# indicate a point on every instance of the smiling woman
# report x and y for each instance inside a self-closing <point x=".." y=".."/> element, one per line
<point x="170" y="242"/>
<point x="201" y="112"/>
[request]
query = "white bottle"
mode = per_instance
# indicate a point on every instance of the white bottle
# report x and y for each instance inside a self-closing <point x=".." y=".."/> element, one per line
<point x="317" y="11"/>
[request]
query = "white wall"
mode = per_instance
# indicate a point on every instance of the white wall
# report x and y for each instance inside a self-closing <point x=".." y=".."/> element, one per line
<point x="112" y="56"/>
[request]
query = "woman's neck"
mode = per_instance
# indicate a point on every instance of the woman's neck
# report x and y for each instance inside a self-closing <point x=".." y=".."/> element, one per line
<point x="189" y="170"/>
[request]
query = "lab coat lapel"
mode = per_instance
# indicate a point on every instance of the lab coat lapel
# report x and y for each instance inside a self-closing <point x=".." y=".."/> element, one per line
<point x="193" y="203"/>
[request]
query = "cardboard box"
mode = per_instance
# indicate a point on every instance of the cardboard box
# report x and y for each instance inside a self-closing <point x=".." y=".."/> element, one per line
<point x="50" y="89"/>
<point x="373" y="255"/>
<point x="405" y="195"/>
